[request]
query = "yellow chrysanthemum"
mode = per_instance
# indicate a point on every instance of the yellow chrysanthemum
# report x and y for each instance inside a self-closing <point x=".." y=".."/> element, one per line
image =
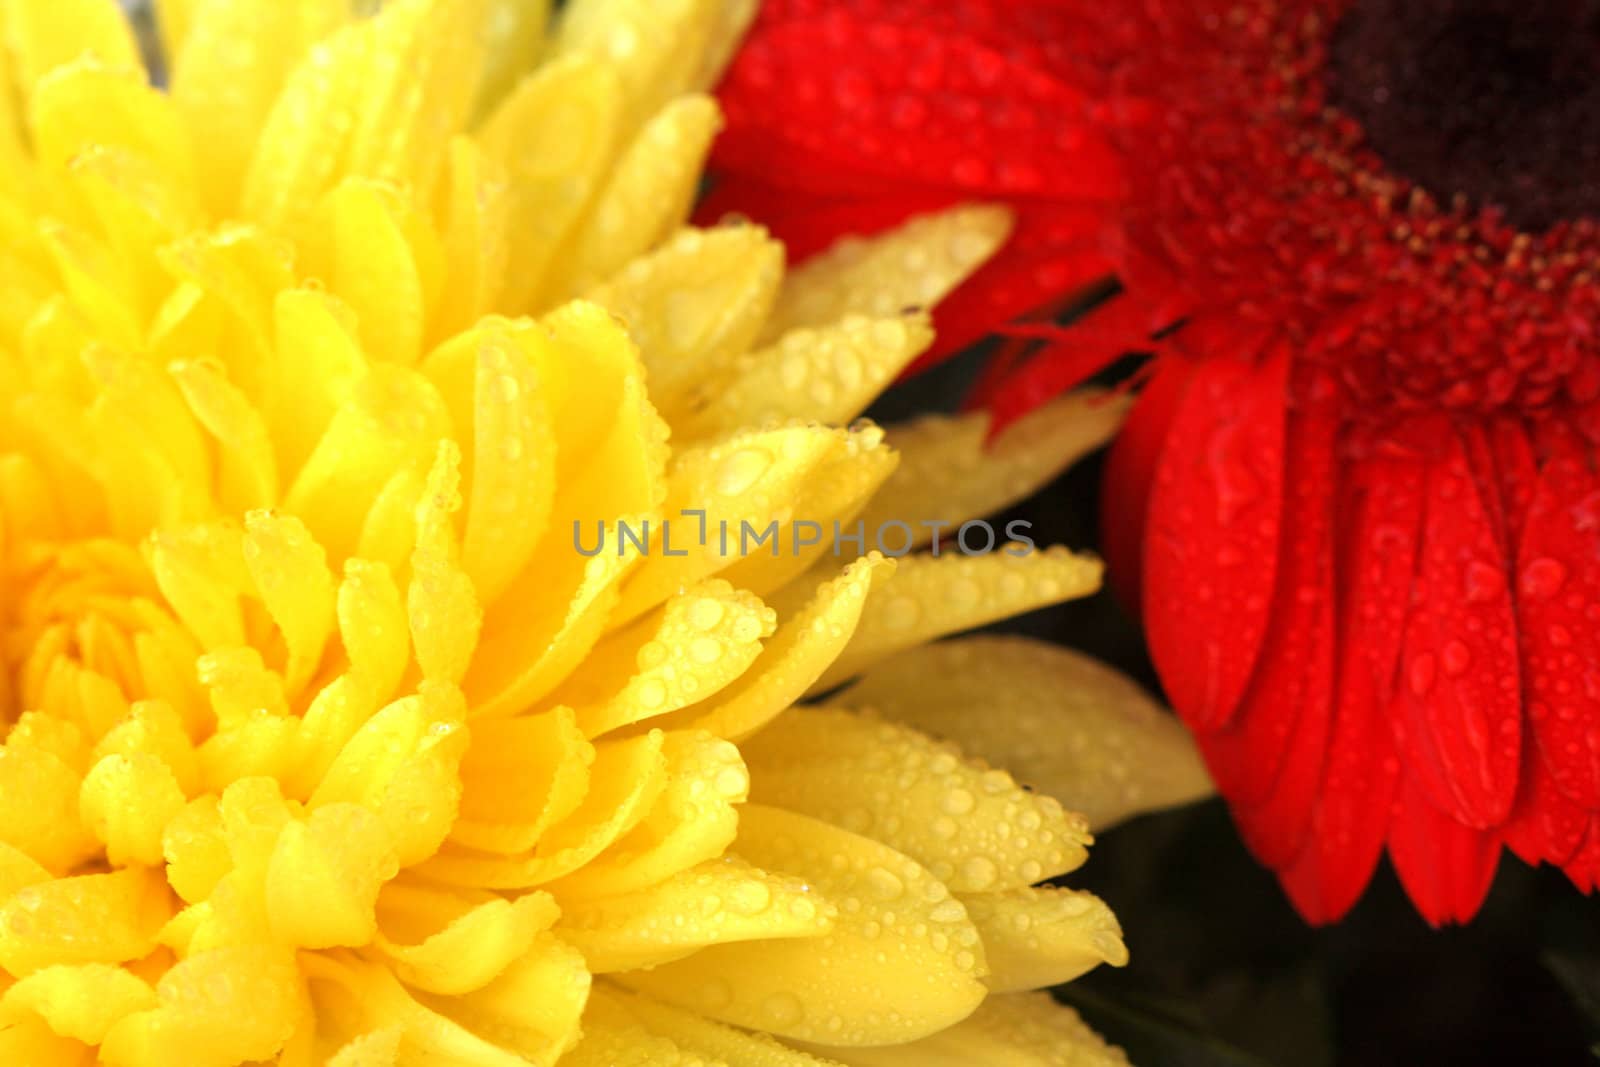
<point x="325" y="740"/>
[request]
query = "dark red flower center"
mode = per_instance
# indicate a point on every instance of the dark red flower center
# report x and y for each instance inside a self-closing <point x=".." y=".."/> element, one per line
<point x="1497" y="101"/>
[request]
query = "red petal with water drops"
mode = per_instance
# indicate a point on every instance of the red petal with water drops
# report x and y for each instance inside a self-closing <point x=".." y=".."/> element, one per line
<point x="1211" y="546"/>
<point x="815" y="101"/>
<point x="1458" y="709"/>
<point x="1351" y="818"/>
<point x="1584" y="867"/>
<point x="1445" y="867"/>
<point x="1545" y="826"/>
<point x="1268" y="762"/>
<point x="1130" y="472"/>
<point x="1558" y="604"/>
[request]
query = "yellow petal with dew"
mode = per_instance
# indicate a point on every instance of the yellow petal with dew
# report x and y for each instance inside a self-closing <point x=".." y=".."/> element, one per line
<point x="1060" y="721"/>
<point x="292" y="578"/>
<point x="249" y="472"/>
<point x="694" y="305"/>
<point x="626" y="778"/>
<point x="553" y="137"/>
<point x="319" y="363"/>
<point x="914" y="265"/>
<point x="43" y="36"/>
<point x="91" y="918"/>
<point x="949" y="473"/>
<point x="694" y="820"/>
<point x="82" y="1002"/>
<point x="974" y="828"/>
<point x="649" y="193"/>
<point x="929" y="597"/>
<point x="533" y="1008"/>
<point x="699" y="641"/>
<point x="225" y="90"/>
<point x="196" y="850"/>
<point x="902" y="959"/>
<point x="39" y="808"/>
<point x="717" y="495"/>
<point x="441" y="603"/>
<point x="403" y="765"/>
<point x="220" y="1008"/>
<point x="515" y="32"/>
<point x="1019" y="1030"/>
<point x="661" y="47"/>
<point x="324" y="877"/>
<point x="801" y="649"/>
<point x="719" y="902"/>
<point x="519" y="777"/>
<point x="372" y="626"/>
<point x="18" y="871"/>
<point x="450" y="944"/>
<point x="1035" y="938"/>
<point x="828" y="373"/>
<point x="701" y="1036"/>
<point x="126" y="802"/>
<point x="154" y="728"/>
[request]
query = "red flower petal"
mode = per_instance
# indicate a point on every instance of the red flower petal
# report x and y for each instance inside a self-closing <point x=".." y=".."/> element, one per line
<point x="1125" y="493"/>
<point x="1268" y="762"/>
<point x="1446" y="867"/>
<point x="949" y="113"/>
<point x="1211" y="549"/>
<point x="1584" y="867"/>
<point x="1545" y="826"/>
<point x="1558" y="587"/>
<point x="1458" y="711"/>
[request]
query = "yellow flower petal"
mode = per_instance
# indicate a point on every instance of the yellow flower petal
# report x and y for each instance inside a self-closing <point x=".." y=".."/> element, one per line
<point x="553" y="137"/>
<point x="948" y="473"/>
<point x="92" y="918"/>
<point x="928" y="597"/>
<point x="716" y="903"/>
<point x="43" y="37"/>
<point x="650" y="191"/>
<point x="1042" y="937"/>
<point x="974" y="828"/>
<point x="1021" y="1030"/>
<point x="830" y="374"/>
<point x="519" y="777"/>
<point x="693" y="305"/>
<point x="1070" y="726"/>
<point x="912" y="266"/>
<point x="81" y="1002"/>
<point x="39" y="808"/>
<point x="451" y="945"/>
<point x="126" y="802"/>
<point x="703" y="1037"/>
<point x="902" y="959"/>
<point x="696" y="644"/>
<point x="804" y="644"/>
<point x="324" y="877"/>
<point x="220" y="1008"/>
<point x="694" y="820"/>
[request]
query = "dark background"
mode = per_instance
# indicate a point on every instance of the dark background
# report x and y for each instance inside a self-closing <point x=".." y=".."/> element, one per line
<point x="1224" y="973"/>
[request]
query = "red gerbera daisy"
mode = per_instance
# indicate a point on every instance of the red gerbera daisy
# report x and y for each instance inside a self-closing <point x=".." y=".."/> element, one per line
<point x="1360" y="488"/>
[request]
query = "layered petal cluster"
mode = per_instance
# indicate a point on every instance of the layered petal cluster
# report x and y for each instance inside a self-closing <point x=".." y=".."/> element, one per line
<point x="331" y="737"/>
<point x="1357" y="498"/>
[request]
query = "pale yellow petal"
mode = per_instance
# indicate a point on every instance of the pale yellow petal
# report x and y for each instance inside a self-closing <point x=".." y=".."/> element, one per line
<point x="719" y="902"/>
<point x="949" y="473"/>
<point x="827" y="374"/>
<point x="1060" y="721"/>
<point x="91" y="918"/>
<point x="973" y="827"/>
<point x="693" y="306"/>
<point x="929" y="597"/>
<point x="1020" y="1030"/>
<point x="450" y="944"/>
<point x="901" y="961"/>
<point x="914" y="265"/>
<point x="1035" y="938"/>
<point x="706" y="1038"/>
